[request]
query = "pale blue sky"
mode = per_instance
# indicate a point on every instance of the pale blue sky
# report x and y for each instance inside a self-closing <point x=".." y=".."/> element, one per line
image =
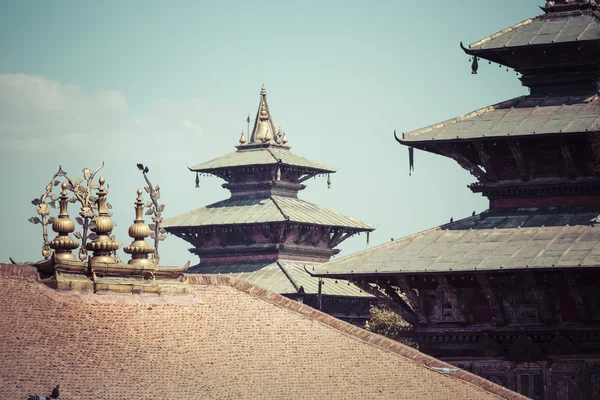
<point x="170" y="84"/>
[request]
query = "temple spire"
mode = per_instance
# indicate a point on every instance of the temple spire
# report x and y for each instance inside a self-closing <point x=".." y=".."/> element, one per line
<point x="264" y="128"/>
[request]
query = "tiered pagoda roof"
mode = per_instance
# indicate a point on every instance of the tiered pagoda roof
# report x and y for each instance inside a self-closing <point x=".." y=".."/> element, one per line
<point x="264" y="230"/>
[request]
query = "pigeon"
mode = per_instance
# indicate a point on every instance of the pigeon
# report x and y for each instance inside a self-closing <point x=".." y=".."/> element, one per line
<point x="451" y="220"/>
<point x="473" y="214"/>
<point x="55" y="393"/>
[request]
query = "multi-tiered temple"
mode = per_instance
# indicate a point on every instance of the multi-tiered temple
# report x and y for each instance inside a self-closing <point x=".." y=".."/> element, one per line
<point x="513" y="294"/>
<point x="264" y="233"/>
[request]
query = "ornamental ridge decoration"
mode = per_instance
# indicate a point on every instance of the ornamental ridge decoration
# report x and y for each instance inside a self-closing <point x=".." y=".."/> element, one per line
<point x="95" y="234"/>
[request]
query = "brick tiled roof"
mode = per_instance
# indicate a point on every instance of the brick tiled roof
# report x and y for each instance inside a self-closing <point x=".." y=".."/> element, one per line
<point x="229" y="339"/>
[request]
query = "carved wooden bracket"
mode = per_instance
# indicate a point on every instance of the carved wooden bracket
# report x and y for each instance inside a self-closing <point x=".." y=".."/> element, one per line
<point x="451" y="293"/>
<point x="574" y="292"/>
<point x="335" y="242"/>
<point x="320" y="234"/>
<point x="412" y="297"/>
<point x="399" y="306"/>
<point x="538" y="293"/>
<point x="567" y="158"/>
<point x="486" y="160"/>
<point x="515" y="150"/>
<point x="492" y="299"/>
<point x="463" y="161"/>
<point x="304" y="236"/>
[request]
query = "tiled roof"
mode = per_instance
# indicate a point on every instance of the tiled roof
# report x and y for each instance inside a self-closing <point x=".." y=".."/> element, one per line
<point x="531" y="238"/>
<point x="283" y="277"/>
<point x="555" y="28"/>
<point x="525" y="115"/>
<point x="260" y="156"/>
<point x="228" y="340"/>
<point x="272" y="209"/>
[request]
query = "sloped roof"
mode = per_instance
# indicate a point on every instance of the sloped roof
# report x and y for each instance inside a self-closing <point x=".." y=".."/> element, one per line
<point x="260" y="156"/>
<point x="521" y="116"/>
<point x="546" y="29"/>
<point x="516" y="239"/>
<point x="229" y="339"/>
<point x="272" y="209"/>
<point x="283" y="277"/>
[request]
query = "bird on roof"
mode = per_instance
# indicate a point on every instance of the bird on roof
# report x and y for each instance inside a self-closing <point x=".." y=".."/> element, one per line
<point x="473" y="214"/>
<point x="451" y="219"/>
<point x="55" y="393"/>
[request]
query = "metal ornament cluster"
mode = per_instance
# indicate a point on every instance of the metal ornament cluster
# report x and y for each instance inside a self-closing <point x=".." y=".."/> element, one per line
<point x="97" y="246"/>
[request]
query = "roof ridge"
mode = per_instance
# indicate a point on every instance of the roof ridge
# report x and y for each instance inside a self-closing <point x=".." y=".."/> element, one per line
<point x="499" y="33"/>
<point x="392" y="243"/>
<point x="287" y="217"/>
<point x="350" y="330"/>
<point x="371" y="227"/>
<point x="287" y="275"/>
<point x="471" y="114"/>
<point x="273" y="155"/>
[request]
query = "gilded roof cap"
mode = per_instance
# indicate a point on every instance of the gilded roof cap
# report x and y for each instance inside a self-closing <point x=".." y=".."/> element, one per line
<point x="264" y="128"/>
<point x="139" y="249"/>
<point x="63" y="225"/>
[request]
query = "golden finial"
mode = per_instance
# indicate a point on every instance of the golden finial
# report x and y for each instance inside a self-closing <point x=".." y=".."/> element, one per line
<point x="63" y="225"/>
<point x="243" y="138"/>
<point x="139" y="249"/>
<point x="268" y="135"/>
<point x="103" y="245"/>
<point x="263" y="91"/>
<point x="284" y="138"/>
<point x="263" y="111"/>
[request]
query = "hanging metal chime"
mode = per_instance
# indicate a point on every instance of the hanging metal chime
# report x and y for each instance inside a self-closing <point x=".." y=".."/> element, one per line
<point x="411" y="160"/>
<point x="474" y="66"/>
<point x="328" y="181"/>
<point x="197" y="180"/>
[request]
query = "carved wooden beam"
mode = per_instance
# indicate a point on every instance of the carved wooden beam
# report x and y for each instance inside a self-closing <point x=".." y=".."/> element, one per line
<point x="245" y="235"/>
<point x="486" y="160"/>
<point x="303" y="236"/>
<point x="492" y="299"/>
<point x="308" y="176"/>
<point x="399" y="307"/>
<point x="334" y="243"/>
<point x="594" y="141"/>
<point x="220" y="233"/>
<point x="538" y="293"/>
<point x="451" y="293"/>
<point x="463" y="161"/>
<point x="515" y="150"/>
<point x="567" y="158"/>
<point x="280" y="232"/>
<point x="574" y="292"/>
<point x="320" y="234"/>
<point x="336" y="236"/>
<point x="412" y="297"/>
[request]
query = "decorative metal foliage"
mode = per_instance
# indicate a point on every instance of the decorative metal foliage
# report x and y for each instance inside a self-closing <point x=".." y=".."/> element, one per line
<point x="155" y="209"/>
<point x="82" y="190"/>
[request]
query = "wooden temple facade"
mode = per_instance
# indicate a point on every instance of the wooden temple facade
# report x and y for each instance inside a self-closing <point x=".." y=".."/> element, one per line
<point x="264" y="233"/>
<point x="513" y="294"/>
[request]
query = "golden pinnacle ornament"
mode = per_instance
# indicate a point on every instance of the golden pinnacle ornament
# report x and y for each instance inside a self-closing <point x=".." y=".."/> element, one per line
<point x="139" y="249"/>
<point x="102" y="246"/>
<point x="63" y="225"/>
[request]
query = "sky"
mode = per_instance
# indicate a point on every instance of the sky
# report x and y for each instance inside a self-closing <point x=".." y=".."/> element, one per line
<point x="169" y="84"/>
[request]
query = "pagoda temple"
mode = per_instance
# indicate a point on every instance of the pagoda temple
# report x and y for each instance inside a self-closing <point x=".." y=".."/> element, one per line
<point x="264" y="233"/>
<point x="512" y="294"/>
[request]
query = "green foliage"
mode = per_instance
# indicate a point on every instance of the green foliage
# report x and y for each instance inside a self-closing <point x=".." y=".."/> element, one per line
<point x="387" y="323"/>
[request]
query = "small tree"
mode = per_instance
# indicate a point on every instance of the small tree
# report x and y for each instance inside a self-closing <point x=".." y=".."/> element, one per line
<point x="387" y="323"/>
